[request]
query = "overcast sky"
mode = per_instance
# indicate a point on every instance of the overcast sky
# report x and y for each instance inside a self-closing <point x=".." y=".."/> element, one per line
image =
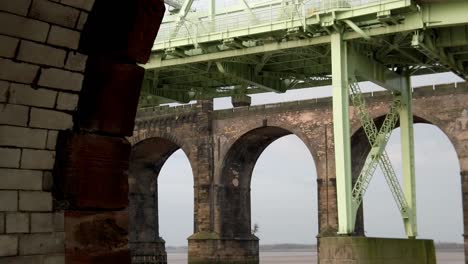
<point x="284" y="196"/>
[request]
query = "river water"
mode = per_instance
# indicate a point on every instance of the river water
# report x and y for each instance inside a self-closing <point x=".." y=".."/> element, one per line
<point x="311" y="257"/>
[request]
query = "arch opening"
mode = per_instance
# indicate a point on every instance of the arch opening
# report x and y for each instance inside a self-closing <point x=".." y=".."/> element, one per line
<point x="284" y="203"/>
<point x="176" y="205"/>
<point x="261" y="154"/>
<point x="438" y="189"/>
<point x="154" y="162"/>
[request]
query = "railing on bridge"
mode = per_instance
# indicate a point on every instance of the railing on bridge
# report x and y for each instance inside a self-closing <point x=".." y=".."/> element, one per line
<point x="259" y="12"/>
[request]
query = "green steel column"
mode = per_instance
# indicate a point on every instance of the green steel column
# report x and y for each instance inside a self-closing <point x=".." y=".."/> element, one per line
<point x="342" y="133"/>
<point x="407" y="154"/>
<point x="212" y="12"/>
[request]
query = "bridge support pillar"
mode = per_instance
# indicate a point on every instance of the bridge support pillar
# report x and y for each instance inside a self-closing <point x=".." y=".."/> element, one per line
<point x="464" y="180"/>
<point x="407" y="154"/>
<point x="341" y="130"/>
<point x="209" y="248"/>
<point x="145" y="244"/>
<point x="148" y="252"/>
<point x="341" y="250"/>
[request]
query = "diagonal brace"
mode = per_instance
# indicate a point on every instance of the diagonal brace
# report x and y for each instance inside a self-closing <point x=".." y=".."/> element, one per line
<point x="377" y="155"/>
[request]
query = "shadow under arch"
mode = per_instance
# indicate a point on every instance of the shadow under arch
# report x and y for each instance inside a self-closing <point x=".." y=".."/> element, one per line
<point x="146" y="160"/>
<point x="233" y="199"/>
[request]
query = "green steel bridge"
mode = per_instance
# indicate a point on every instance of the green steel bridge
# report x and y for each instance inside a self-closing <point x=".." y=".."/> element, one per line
<point x="204" y="50"/>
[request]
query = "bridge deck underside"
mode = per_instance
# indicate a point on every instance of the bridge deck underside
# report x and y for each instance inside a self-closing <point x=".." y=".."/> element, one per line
<point x="403" y="36"/>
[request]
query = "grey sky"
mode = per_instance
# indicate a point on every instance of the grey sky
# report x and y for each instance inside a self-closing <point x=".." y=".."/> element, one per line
<point x="284" y="197"/>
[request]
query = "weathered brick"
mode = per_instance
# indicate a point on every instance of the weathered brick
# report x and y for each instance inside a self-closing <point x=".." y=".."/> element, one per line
<point x="8" y="201"/>
<point x="47" y="181"/>
<point x="109" y="98"/>
<point x="8" y="245"/>
<point x="59" y="221"/>
<point x="81" y="157"/>
<point x="41" y="54"/>
<point x="10" y="157"/>
<point x="37" y="159"/>
<point x="19" y="7"/>
<point x="23" y="260"/>
<point x="25" y="95"/>
<point x="18" y="72"/>
<point x="50" y="119"/>
<point x="82" y="21"/>
<point x="11" y="114"/>
<point x="23" y="27"/>
<point x="60" y="79"/>
<point x="41" y="243"/>
<point x="52" y="139"/>
<point x="4" y="91"/>
<point x="17" y="223"/>
<point x="55" y="259"/>
<point x="76" y="61"/>
<point x="54" y="13"/>
<point x="12" y="179"/>
<point x="23" y="137"/>
<point x="82" y="4"/>
<point x="67" y="101"/>
<point x="86" y="250"/>
<point x="2" y="223"/>
<point x="8" y="46"/>
<point x="35" y="201"/>
<point x="64" y="37"/>
<point x="42" y="222"/>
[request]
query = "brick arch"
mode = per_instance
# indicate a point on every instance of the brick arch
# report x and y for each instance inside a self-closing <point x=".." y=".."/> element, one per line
<point x="236" y="174"/>
<point x="290" y="128"/>
<point x="146" y="161"/>
<point x="142" y="137"/>
<point x="152" y="153"/>
<point x="452" y="130"/>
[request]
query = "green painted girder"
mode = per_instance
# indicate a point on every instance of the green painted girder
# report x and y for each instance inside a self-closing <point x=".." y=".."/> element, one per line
<point x="381" y="41"/>
<point x="296" y="21"/>
<point x="369" y="69"/>
<point x="246" y="75"/>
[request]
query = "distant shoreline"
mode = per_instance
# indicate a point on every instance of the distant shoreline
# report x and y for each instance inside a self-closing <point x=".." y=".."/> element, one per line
<point x="441" y="247"/>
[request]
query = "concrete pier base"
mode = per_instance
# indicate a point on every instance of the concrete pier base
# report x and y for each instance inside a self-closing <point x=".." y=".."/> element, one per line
<point x="208" y="248"/>
<point x="149" y="252"/>
<point x="364" y="250"/>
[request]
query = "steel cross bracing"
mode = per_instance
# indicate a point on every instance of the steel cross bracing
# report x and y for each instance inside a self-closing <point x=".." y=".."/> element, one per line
<point x="378" y="139"/>
<point x="286" y="43"/>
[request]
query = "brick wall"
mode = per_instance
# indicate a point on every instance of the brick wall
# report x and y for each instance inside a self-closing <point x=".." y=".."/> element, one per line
<point x="55" y="104"/>
<point x="41" y="75"/>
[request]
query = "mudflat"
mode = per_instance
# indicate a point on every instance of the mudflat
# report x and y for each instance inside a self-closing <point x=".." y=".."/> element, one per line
<point x="311" y="257"/>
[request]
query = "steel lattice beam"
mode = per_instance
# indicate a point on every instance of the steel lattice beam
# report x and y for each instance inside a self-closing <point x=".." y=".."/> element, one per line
<point x="377" y="156"/>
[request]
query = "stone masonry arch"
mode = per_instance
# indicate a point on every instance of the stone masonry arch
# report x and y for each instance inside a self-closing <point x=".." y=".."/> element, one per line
<point x="232" y="187"/>
<point x="235" y="177"/>
<point x="147" y="158"/>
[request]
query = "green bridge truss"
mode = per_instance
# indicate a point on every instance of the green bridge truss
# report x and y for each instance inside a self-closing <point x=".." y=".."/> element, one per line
<point x="204" y="52"/>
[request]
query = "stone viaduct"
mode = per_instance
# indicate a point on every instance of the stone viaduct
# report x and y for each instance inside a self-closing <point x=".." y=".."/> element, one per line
<point x="223" y="147"/>
<point x="69" y="90"/>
